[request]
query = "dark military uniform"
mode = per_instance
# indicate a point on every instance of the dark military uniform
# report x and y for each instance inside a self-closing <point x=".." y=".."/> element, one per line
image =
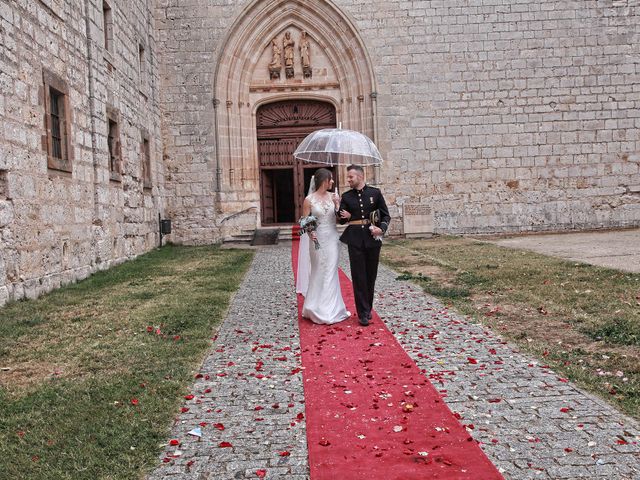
<point x="364" y="250"/>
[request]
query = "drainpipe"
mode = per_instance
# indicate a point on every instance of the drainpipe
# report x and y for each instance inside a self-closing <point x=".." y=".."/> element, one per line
<point x="216" y="103"/>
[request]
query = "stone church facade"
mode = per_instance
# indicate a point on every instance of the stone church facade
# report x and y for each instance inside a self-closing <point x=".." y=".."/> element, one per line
<point x="492" y="116"/>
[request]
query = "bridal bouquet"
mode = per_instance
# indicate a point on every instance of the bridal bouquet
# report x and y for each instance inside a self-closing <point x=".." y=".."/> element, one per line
<point x="309" y="224"/>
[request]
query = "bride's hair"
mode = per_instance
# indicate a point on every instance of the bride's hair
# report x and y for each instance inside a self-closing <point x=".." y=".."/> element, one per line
<point x="321" y="175"/>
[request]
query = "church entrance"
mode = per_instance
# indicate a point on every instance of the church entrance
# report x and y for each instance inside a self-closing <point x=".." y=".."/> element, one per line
<point x="284" y="180"/>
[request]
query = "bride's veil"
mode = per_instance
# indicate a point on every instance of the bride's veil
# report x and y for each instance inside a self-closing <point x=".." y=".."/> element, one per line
<point x="304" y="261"/>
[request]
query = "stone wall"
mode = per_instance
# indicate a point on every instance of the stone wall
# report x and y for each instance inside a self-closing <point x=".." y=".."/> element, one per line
<point x="59" y="226"/>
<point x="190" y="37"/>
<point x="500" y="116"/>
<point x="509" y="115"/>
<point x="492" y="115"/>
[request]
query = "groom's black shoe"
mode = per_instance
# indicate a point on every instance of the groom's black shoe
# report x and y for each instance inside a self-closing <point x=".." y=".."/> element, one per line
<point x="364" y="321"/>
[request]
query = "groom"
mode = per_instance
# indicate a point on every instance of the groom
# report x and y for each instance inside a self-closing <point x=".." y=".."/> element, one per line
<point x="364" y="250"/>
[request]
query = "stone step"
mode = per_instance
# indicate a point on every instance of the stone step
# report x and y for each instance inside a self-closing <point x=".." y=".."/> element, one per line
<point x="246" y="235"/>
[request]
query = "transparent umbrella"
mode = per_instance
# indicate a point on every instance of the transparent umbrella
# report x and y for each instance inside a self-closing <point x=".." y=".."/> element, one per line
<point x="335" y="146"/>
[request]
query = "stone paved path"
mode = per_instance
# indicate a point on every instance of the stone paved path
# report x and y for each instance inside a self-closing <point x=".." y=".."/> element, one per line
<point x="612" y="249"/>
<point x="532" y="423"/>
<point x="255" y="386"/>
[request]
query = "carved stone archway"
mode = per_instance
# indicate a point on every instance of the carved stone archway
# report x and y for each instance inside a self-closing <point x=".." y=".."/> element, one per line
<point x="340" y="74"/>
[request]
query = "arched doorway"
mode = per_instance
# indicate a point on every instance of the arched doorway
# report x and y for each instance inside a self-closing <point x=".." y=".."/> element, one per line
<point x="284" y="181"/>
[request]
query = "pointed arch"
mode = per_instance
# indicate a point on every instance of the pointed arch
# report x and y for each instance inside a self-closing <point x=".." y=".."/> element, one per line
<point x="237" y="98"/>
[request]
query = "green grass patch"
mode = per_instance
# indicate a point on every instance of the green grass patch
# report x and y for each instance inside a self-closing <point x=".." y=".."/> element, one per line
<point x="583" y="320"/>
<point x="98" y="368"/>
<point x="617" y="330"/>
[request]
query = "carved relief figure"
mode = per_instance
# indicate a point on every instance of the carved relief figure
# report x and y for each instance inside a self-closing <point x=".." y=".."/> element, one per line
<point x="305" y="54"/>
<point x="276" y="60"/>
<point x="287" y="44"/>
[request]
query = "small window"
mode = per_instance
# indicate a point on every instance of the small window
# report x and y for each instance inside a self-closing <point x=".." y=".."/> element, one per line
<point x="56" y="141"/>
<point x="142" y="63"/>
<point x="146" y="163"/>
<point x="113" y="145"/>
<point x="4" y="190"/>
<point x="58" y="133"/>
<point x="107" y="19"/>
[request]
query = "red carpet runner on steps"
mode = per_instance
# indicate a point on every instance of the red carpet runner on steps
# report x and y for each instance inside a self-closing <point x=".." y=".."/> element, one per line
<point x="370" y="413"/>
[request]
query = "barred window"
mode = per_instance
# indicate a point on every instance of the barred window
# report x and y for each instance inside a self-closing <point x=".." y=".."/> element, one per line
<point x="56" y="112"/>
<point x="56" y="141"/>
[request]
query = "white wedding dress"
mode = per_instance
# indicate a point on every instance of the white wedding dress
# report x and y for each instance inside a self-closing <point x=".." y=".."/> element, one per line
<point x="318" y="269"/>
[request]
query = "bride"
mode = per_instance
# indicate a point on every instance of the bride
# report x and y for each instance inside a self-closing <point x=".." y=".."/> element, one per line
<point x="317" y="276"/>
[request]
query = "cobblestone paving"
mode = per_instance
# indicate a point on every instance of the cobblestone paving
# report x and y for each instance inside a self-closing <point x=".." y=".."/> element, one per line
<point x="251" y="385"/>
<point x="531" y="423"/>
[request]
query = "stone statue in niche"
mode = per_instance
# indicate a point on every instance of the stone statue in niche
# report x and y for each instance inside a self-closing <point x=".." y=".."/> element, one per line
<point x="305" y="54"/>
<point x="276" y="60"/>
<point x="287" y="44"/>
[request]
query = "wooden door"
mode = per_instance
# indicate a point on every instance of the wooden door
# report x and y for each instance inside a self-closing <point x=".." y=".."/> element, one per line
<point x="281" y="126"/>
<point x="268" y="205"/>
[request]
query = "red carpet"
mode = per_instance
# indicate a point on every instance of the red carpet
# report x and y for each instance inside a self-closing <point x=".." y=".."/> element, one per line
<point x="370" y="413"/>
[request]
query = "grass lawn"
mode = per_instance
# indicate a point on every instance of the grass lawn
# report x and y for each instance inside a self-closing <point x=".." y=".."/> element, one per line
<point x="94" y="373"/>
<point x="582" y="320"/>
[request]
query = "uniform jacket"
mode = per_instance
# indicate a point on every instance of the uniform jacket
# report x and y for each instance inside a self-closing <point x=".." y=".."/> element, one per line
<point x="360" y="203"/>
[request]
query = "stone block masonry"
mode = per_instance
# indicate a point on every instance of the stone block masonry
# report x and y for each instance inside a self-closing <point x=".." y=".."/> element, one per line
<point x="498" y="116"/>
<point x="540" y="97"/>
<point x="501" y="116"/>
<point x="62" y="220"/>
